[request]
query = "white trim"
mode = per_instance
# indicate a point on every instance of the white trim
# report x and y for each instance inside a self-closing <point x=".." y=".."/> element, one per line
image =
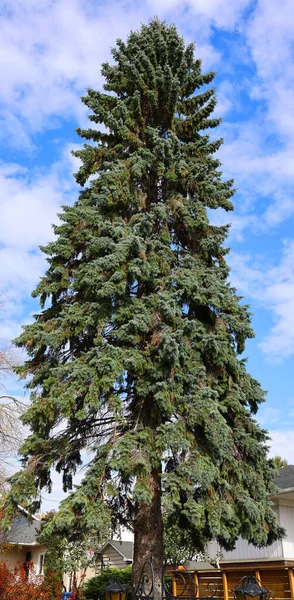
<point x="41" y="563"/>
<point x="27" y="513"/>
<point x="254" y="560"/>
<point x="21" y="544"/>
<point x="241" y="561"/>
<point x="286" y="502"/>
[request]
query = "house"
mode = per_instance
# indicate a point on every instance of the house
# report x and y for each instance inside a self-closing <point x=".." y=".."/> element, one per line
<point x="113" y="554"/>
<point x="282" y="550"/>
<point x="273" y="565"/>
<point x="117" y="553"/>
<point x="22" y="544"/>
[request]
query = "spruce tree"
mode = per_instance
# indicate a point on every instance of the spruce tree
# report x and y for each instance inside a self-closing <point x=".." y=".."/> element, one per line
<point x="135" y="356"/>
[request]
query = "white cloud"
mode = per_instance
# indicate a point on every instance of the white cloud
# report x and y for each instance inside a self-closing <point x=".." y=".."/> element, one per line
<point x="19" y="272"/>
<point x="282" y="444"/>
<point x="29" y="203"/>
<point x="220" y="12"/>
<point x="270" y="37"/>
<point x="50" y="52"/>
<point x="263" y="174"/>
<point x="9" y="329"/>
<point x="268" y="415"/>
<point x="259" y="151"/>
<point x="273" y="288"/>
<point x="225" y="98"/>
<point x="28" y="209"/>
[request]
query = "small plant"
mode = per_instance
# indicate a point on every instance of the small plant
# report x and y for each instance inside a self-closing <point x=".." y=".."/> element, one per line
<point x="25" y="584"/>
<point x="95" y="588"/>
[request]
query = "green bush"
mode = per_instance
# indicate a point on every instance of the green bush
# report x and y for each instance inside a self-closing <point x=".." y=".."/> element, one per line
<point x="94" y="589"/>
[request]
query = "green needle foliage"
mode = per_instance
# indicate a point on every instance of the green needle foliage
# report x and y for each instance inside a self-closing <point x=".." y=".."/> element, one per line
<point x="134" y="359"/>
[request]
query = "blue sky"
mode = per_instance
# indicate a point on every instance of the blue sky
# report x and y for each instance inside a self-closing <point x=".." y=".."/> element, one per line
<point x="51" y="51"/>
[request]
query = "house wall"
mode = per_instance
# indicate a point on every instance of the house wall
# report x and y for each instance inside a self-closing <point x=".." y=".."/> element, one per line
<point x="17" y="555"/>
<point x="245" y="551"/>
<point x="13" y="557"/>
<point x="112" y="558"/>
<point x="286" y="513"/>
<point x="81" y="576"/>
<point x="278" y="550"/>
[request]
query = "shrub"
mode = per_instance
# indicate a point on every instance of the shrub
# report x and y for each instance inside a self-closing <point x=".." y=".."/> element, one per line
<point x="94" y="588"/>
<point x="26" y="585"/>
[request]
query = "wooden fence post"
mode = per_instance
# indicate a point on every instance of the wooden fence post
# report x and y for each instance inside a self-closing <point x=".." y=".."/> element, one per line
<point x="291" y="581"/>
<point x="225" y="586"/>
<point x="195" y="577"/>
<point x="174" y="585"/>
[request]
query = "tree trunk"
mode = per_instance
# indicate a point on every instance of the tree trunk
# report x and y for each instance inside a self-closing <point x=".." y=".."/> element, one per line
<point x="148" y="543"/>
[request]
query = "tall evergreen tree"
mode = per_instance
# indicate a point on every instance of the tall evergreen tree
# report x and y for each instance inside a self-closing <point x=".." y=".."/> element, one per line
<point x="134" y="357"/>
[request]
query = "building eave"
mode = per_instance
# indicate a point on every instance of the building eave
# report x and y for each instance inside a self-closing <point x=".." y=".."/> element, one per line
<point x="22" y="509"/>
<point x="287" y="493"/>
<point x="20" y="544"/>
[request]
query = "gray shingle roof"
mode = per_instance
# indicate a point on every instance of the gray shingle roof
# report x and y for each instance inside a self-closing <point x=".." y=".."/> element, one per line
<point x="124" y="548"/>
<point x="285" y="479"/>
<point x="23" y="532"/>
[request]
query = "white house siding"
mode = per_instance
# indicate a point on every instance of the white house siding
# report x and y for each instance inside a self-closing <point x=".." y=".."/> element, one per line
<point x="245" y="551"/>
<point x="278" y="550"/>
<point x="287" y="521"/>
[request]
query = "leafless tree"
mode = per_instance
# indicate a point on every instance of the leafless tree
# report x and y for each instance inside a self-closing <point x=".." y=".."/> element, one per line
<point x="10" y="408"/>
<point x="10" y="411"/>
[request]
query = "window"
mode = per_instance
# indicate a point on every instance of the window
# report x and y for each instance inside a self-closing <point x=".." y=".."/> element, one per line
<point x="41" y="563"/>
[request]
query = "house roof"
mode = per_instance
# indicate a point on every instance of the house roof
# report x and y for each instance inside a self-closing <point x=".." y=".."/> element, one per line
<point x="125" y="549"/>
<point x="24" y="529"/>
<point x="285" y="479"/>
<point x="23" y="532"/>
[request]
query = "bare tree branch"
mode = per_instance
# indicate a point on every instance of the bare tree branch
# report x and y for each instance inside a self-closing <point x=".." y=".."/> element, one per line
<point x="11" y="408"/>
